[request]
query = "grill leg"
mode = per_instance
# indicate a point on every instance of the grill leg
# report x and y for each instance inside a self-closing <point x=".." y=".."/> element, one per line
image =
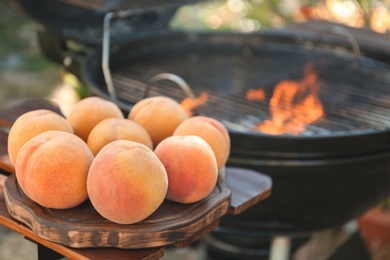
<point x="280" y="248"/>
<point x="45" y="253"/>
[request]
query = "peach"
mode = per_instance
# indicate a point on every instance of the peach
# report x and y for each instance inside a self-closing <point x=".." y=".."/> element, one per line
<point x="112" y="129"/>
<point x="212" y="131"/>
<point x="159" y="116"/>
<point x="126" y="182"/>
<point x="30" y="124"/>
<point x="52" y="167"/>
<point x="90" y="111"/>
<point x="191" y="167"/>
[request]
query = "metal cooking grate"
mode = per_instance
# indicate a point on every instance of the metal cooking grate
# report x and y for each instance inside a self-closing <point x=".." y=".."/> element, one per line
<point x="355" y="91"/>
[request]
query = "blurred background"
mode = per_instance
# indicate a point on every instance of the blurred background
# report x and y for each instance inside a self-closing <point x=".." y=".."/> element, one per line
<point x="26" y="73"/>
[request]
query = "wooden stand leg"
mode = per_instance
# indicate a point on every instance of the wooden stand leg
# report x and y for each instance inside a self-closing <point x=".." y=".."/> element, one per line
<point x="45" y="253"/>
<point x="280" y="248"/>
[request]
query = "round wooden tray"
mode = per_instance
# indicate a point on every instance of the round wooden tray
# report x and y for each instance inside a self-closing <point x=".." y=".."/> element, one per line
<point x="172" y="223"/>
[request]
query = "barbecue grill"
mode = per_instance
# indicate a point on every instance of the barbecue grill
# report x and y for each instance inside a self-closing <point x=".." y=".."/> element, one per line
<point x="329" y="173"/>
<point x="348" y="148"/>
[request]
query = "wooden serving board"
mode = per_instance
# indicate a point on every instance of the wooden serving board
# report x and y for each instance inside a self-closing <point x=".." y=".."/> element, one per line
<point x="172" y="223"/>
<point x="71" y="253"/>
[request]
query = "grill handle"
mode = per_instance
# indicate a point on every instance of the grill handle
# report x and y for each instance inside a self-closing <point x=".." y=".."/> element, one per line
<point x="337" y="30"/>
<point x="108" y="17"/>
<point x="179" y="82"/>
<point x="162" y="76"/>
<point x="106" y="54"/>
<point x="106" y="48"/>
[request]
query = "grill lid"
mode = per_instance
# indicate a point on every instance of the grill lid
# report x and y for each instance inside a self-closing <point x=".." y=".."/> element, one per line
<point x="354" y="91"/>
<point x="118" y="5"/>
<point x="82" y="21"/>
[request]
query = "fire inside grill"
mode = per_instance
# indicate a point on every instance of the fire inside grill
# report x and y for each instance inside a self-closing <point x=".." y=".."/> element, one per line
<point x="293" y="105"/>
<point x="319" y="92"/>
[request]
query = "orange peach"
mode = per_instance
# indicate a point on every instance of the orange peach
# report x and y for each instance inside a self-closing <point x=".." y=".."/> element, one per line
<point x="31" y="124"/>
<point x="191" y="167"/>
<point x="90" y="111"/>
<point x="112" y="129"/>
<point x="212" y="131"/>
<point x="126" y="182"/>
<point x="159" y="116"/>
<point x="52" y="167"/>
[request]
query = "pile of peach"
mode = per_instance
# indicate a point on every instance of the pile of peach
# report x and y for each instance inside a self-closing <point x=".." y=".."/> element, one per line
<point x="126" y="167"/>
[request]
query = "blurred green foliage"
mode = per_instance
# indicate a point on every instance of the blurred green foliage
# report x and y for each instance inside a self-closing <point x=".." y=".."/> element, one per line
<point x="18" y="45"/>
<point x="254" y="15"/>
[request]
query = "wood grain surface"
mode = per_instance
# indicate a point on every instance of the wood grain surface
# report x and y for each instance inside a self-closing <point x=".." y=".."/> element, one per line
<point x="82" y="226"/>
<point x="172" y="223"/>
<point x="248" y="188"/>
<point x="74" y="253"/>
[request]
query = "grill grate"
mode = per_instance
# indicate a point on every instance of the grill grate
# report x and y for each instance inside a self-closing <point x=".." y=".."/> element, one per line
<point x="354" y="91"/>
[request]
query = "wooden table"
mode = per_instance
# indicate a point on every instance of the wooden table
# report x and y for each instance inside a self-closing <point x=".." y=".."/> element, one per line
<point x="242" y="197"/>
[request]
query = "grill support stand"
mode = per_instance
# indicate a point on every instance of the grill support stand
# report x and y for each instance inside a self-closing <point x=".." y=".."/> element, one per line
<point x="280" y="248"/>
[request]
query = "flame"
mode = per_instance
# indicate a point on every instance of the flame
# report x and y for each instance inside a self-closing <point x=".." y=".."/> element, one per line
<point x="293" y="105"/>
<point x="188" y="104"/>
<point x="255" y="94"/>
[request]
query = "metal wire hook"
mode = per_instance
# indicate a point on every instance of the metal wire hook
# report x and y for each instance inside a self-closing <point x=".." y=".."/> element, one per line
<point x="106" y="55"/>
<point x="179" y="82"/>
<point x="338" y="30"/>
